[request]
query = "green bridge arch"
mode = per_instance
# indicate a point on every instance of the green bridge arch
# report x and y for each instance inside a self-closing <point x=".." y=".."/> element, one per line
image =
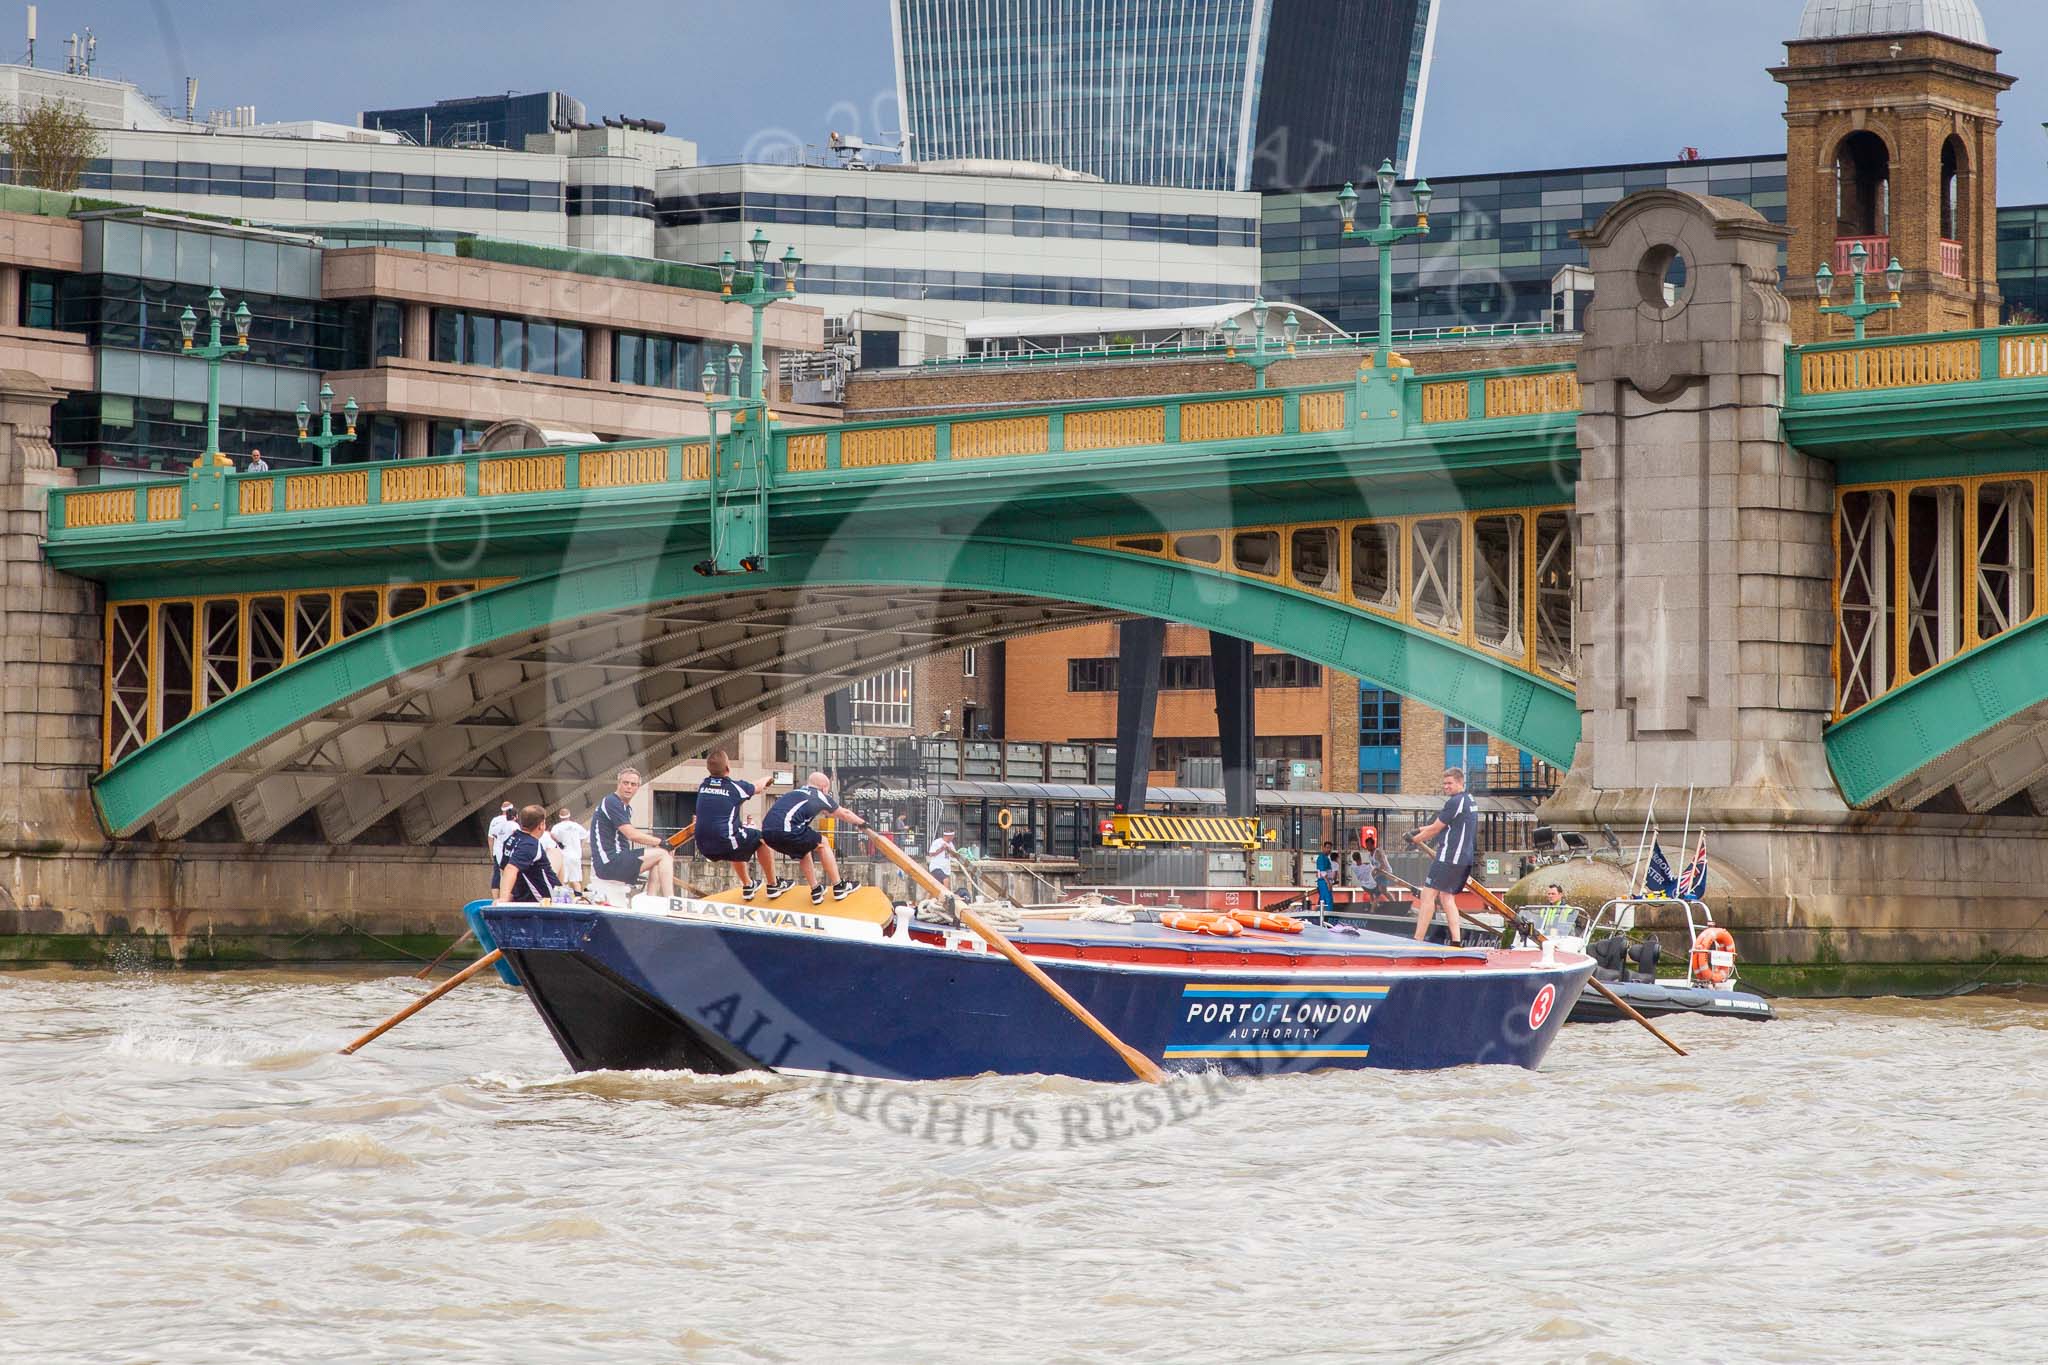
<point x="1948" y="725"/>
<point x="293" y="703"/>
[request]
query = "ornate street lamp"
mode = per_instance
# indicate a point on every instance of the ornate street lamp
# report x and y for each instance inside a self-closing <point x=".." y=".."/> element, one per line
<point x="1858" y="310"/>
<point x="1384" y="237"/>
<point x="740" y="476"/>
<point x="212" y="353"/>
<point x="328" y="438"/>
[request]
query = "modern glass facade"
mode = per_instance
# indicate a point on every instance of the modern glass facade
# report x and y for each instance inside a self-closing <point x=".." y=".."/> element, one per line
<point x="1343" y="89"/>
<point x="149" y="410"/>
<point x="532" y="345"/>
<point x="1206" y="94"/>
<point x="1146" y="93"/>
<point x="1495" y="244"/>
<point x="2023" y="261"/>
<point x="480" y="121"/>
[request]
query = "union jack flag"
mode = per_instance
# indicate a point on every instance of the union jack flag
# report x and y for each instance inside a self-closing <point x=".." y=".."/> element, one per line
<point x="1692" y="883"/>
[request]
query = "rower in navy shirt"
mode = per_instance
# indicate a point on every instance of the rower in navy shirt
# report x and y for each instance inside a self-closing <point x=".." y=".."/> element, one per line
<point x="1458" y="821"/>
<point x="788" y="830"/>
<point x="723" y="837"/>
<point x="619" y="852"/>
<point x="524" y="873"/>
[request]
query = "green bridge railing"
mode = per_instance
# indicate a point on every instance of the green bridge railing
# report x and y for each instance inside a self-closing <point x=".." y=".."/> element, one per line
<point x="1434" y="407"/>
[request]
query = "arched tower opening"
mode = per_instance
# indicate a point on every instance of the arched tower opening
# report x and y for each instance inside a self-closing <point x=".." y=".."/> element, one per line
<point x="1863" y="187"/>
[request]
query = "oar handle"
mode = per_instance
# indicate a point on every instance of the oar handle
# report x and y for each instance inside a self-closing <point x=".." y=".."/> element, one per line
<point x="1141" y="1065"/>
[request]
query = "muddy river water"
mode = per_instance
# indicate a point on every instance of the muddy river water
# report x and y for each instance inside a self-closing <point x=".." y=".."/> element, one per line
<point x="193" y="1175"/>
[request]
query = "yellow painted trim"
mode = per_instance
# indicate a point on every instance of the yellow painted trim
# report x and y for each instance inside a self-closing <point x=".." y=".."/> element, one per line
<point x="166" y="502"/>
<point x="1002" y="436"/>
<point x="877" y="447"/>
<point x="254" y="497"/>
<point x="623" y="468"/>
<point x="335" y="488"/>
<point x="1447" y="401"/>
<point x="112" y="507"/>
<point x="807" y="452"/>
<point x="1907" y="365"/>
<point x="511" y="476"/>
<point x="1116" y="428"/>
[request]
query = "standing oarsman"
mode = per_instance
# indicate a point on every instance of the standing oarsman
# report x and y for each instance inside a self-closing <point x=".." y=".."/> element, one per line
<point x="619" y="851"/>
<point x="1459" y="823"/>
<point x="524" y="873"/>
<point x="787" y="828"/>
<point x="722" y="837"/>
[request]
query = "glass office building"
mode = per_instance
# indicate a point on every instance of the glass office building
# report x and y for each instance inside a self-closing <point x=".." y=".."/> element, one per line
<point x="480" y="120"/>
<point x="2023" y="261"/>
<point x="1165" y="92"/>
<point x="1343" y="89"/>
<point x="1495" y="245"/>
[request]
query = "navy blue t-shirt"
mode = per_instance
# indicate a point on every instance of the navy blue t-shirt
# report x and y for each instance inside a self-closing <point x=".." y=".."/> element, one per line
<point x="794" y="812"/>
<point x="718" y="810"/>
<point x="534" y="876"/>
<point x="1461" y="830"/>
<point x="605" y="840"/>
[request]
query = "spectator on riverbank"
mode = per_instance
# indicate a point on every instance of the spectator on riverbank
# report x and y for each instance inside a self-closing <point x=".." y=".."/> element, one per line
<point x="570" y="837"/>
<point x="502" y="824"/>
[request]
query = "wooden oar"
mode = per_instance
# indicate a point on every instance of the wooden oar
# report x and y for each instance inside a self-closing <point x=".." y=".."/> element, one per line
<point x="423" y="973"/>
<point x="487" y="960"/>
<point x="1144" y="1067"/>
<point x="1511" y="917"/>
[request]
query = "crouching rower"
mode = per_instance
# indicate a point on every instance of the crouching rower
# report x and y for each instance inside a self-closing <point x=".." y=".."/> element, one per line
<point x="788" y="830"/>
<point x="722" y="837"/>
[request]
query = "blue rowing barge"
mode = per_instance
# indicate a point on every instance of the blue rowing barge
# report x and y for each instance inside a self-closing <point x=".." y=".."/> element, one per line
<point x="720" y="985"/>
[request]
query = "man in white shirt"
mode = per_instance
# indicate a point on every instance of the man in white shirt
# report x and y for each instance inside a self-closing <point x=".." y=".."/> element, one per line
<point x="570" y="838"/>
<point x="494" y="840"/>
<point x="939" y="857"/>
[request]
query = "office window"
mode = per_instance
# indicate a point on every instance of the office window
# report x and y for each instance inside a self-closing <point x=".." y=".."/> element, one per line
<point x="968" y="662"/>
<point x="883" y="699"/>
<point x="1379" y="740"/>
<point x="1465" y="747"/>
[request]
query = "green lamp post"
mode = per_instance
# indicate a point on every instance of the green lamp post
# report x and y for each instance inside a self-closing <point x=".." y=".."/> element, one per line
<point x="1859" y="310"/>
<point x="212" y="353"/>
<point x="328" y="438"/>
<point x="739" y="465"/>
<point x="1263" y="354"/>
<point x="1384" y="237"/>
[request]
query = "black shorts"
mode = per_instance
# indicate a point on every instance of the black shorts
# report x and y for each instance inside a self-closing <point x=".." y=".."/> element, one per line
<point x="793" y="843"/>
<point x="622" y="867"/>
<point x="717" y="850"/>
<point x="1449" y="877"/>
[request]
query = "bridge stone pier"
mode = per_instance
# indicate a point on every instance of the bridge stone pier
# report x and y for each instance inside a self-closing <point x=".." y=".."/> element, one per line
<point x="70" y="891"/>
<point x="1705" y="580"/>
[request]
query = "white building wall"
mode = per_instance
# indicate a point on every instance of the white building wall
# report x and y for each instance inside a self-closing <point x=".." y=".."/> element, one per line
<point x="1215" y="271"/>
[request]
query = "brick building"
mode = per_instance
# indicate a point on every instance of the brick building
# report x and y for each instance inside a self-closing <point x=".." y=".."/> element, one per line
<point x="1060" y="686"/>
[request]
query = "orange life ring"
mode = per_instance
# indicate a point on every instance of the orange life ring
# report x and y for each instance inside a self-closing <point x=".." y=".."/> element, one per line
<point x="1202" y="922"/>
<point x="1266" y="919"/>
<point x="1704" y="968"/>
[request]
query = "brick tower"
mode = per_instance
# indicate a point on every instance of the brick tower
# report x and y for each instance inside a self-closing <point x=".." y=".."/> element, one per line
<point x="1891" y="109"/>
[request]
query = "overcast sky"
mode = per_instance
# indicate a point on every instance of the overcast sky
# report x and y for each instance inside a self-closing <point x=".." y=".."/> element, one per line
<point x="1518" y="85"/>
